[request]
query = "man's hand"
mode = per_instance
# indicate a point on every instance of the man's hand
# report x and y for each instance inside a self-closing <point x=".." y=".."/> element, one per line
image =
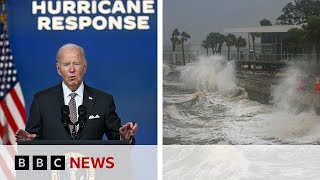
<point x="22" y="135"/>
<point x="128" y="130"/>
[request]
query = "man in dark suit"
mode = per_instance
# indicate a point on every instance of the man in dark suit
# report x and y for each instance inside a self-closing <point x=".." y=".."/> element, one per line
<point x="45" y="122"/>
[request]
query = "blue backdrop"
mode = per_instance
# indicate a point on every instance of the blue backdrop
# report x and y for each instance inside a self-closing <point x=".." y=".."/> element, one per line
<point x="120" y="62"/>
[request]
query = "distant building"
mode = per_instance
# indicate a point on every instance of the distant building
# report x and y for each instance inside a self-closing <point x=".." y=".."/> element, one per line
<point x="271" y="39"/>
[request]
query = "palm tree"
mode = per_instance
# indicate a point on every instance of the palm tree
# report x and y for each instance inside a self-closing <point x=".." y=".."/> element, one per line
<point x="253" y="36"/>
<point x="240" y="42"/>
<point x="230" y="41"/>
<point x="212" y="38"/>
<point x="184" y="37"/>
<point x="311" y="32"/>
<point x="215" y="41"/>
<point x="174" y="38"/>
<point x="206" y="45"/>
<point x="220" y="41"/>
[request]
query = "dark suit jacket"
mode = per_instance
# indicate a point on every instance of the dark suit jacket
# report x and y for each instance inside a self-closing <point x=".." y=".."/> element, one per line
<point x="45" y="115"/>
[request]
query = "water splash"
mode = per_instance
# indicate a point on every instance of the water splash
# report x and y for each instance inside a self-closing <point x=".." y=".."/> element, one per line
<point x="210" y="74"/>
<point x="166" y="69"/>
<point x="291" y="121"/>
<point x="284" y="92"/>
<point x="203" y="105"/>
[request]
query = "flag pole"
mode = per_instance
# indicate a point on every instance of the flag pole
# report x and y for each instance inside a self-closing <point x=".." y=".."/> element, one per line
<point x="4" y="15"/>
<point x="3" y="19"/>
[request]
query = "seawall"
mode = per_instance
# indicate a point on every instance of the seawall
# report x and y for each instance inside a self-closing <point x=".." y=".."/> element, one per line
<point x="260" y="89"/>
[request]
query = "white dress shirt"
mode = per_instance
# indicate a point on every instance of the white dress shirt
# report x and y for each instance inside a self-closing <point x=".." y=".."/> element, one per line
<point x="78" y="98"/>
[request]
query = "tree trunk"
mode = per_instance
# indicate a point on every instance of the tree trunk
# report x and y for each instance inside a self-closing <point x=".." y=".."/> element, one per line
<point x="220" y="48"/>
<point x="215" y="48"/>
<point x="238" y="53"/>
<point x="228" y="53"/>
<point x="207" y="52"/>
<point x="184" y="61"/>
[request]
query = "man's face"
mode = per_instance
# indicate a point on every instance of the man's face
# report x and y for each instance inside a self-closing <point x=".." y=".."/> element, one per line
<point x="71" y="67"/>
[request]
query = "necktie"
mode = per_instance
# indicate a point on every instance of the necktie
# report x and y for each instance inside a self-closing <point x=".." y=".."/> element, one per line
<point x="73" y="112"/>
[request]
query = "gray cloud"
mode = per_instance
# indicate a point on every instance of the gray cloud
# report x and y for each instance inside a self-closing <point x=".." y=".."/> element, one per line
<point x="199" y="17"/>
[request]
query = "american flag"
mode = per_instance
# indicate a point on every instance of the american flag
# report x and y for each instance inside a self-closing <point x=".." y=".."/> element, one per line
<point x="12" y="106"/>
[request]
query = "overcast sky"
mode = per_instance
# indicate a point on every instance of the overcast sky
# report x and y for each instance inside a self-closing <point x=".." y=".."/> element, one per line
<point x="199" y="17"/>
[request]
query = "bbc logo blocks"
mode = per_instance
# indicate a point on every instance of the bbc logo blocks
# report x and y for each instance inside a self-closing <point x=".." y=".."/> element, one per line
<point x="39" y="162"/>
<point x="21" y="163"/>
<point x="58" y="163"/>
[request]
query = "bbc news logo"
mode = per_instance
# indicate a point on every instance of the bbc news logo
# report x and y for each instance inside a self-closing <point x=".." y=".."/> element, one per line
<point x="60" y="162"/>
<point x="40" y="162"/>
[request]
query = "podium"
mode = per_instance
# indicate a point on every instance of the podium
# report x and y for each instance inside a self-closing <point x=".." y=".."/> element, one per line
<point x="75" y="142"/>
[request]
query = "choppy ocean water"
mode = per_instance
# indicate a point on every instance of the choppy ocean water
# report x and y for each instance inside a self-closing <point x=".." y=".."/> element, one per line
<point x="203" y="105"/>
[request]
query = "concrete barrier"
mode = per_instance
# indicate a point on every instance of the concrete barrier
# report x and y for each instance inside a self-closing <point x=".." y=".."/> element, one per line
<point x="257" y="90"/>
<point x="261" y="91"/>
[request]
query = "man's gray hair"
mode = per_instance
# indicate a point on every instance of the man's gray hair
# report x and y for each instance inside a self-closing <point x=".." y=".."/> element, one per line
<point x="71" y="46"/>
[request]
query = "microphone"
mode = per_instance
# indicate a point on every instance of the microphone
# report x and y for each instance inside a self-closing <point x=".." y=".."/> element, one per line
<point x="82" y="117"/>
<point x="65" y="117"/>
